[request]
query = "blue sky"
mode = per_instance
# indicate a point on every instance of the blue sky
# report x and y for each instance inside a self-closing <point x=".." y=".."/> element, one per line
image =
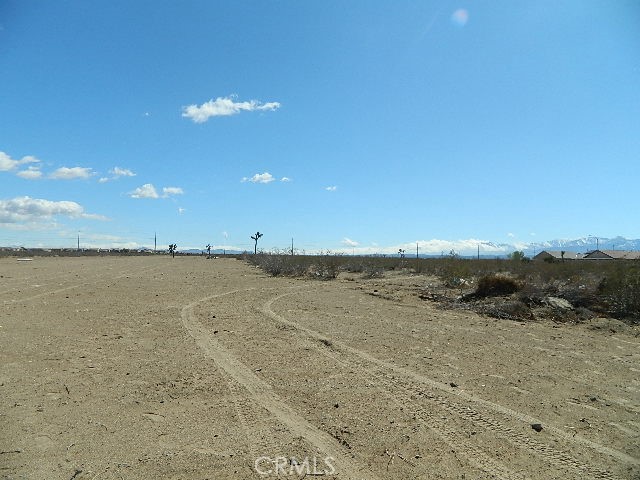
<point x="446" y="123"/>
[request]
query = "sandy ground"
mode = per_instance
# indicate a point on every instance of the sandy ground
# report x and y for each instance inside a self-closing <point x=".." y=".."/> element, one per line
<point x="153" y="368"/>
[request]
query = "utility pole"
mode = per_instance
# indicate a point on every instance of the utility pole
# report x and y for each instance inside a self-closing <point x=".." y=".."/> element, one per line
<point x="292" y="246"/>
<point x="155" y="242"/>
<point x="478" y="251"/>
<point x="417" y="255"/>
<point x="78" y="241"/>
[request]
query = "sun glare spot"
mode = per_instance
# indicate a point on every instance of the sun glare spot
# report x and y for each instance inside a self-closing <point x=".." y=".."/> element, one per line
<point x="460" y="17"/>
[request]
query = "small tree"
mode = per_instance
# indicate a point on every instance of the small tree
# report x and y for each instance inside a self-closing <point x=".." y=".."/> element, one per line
<point x="401" y="252"/>
<point x="517" y="256"/>
<point x="255" y="238"/>
<point x="172" y="250"/>
<point x="562" y="255"/>
<point x="208" y="247"/>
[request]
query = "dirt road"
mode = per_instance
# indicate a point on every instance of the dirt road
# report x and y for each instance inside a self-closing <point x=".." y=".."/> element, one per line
<point x="153" y="368"/>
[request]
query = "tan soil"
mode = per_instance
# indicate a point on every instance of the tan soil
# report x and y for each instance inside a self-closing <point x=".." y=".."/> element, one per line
<point x="153" y="368"/>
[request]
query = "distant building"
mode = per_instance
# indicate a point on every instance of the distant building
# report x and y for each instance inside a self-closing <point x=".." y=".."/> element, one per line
<point x="613" y="255"/>
<point x="556" y="255"/>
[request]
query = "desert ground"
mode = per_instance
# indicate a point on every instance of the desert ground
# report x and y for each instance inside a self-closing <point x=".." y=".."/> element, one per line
<point x="187" y="368"/>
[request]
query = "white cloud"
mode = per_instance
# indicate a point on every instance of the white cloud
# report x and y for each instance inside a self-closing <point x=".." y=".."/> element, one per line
<point x="66" y="173"/>
<point x="511" y="235"/>
<point x="121" y="172"/>
<point x="8" y="164"/>
<point x="349" y="243"/>
<point x="116" y="173"/>
<point x="31" y="173"/>
<point x="181" y="210"/>
<point x="145" y="191"/>
<point x="26" y="209"/>
<point x="265" y="177"/>
<point x="429" y="247"/>
<point x="149" y="191"/>
<point x="332" y="188"/>
<point x="285" y="179"/>
<point x="224" y="106"/>
<point x="168" y="191"/>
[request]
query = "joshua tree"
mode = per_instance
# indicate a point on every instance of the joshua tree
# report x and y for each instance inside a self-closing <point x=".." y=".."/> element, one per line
<point x="208" y="247"/>
<point x="172" y="250"/>
<point x="562" y="254"/>
<point x="401" y="252"/>
<point x="255" y="238"/>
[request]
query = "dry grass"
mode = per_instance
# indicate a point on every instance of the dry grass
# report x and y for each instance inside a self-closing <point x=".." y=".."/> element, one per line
<point x="610" y="288"/>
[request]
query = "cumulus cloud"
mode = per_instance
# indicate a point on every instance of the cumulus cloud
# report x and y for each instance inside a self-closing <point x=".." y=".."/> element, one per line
<point x="145" y="191"/>
<point x="285" y="179"/>
<point x="265" y="177"/>
<point x="8" y="164"/>
<point x="31" y="173"/>
<point x="349" y="243"/>
<point x="149" y="191"/>
<point x="27" y="209"/>
<point x="66" y="173"/>
<point x="116" y="173"/>
<point x="331" y="188"/>
<point x="121" y="172"/>
<point x="224" y="106"/>
<point x="168" y="191"/>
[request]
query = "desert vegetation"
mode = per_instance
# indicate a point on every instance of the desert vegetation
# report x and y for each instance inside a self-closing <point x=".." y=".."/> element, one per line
<point x="513" y="288"/>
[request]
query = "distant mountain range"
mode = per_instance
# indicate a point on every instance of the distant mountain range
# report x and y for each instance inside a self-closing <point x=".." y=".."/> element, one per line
<point x="587" y="244"/>
<point x="580" y="245"/>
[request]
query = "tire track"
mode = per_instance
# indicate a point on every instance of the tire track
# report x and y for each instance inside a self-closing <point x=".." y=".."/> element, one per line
<point x="396" y="376"/>
<point x="454" y="439"/>
<point x="262" y="393"/>
<point x="249" y="420"/>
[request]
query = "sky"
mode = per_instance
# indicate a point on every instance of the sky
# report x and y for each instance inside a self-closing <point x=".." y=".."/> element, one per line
<point x="362" y="126"/>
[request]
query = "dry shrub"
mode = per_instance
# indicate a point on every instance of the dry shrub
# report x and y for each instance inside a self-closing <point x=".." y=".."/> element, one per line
<point x="531" y="295"/>
<point x="373" y="271"/>
<point x="512" y="310"/>
<point x="620" y="291"/>
<point x="326" y="267"/>
<point x="279" y="265"/>
<point x="496" y="285"/>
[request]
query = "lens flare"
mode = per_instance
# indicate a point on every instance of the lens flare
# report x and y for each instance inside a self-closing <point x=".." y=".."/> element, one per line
<point x="460" y="17"/>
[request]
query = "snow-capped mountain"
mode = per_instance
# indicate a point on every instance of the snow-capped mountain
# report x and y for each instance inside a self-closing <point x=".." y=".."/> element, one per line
<point x="587" y="244"/>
